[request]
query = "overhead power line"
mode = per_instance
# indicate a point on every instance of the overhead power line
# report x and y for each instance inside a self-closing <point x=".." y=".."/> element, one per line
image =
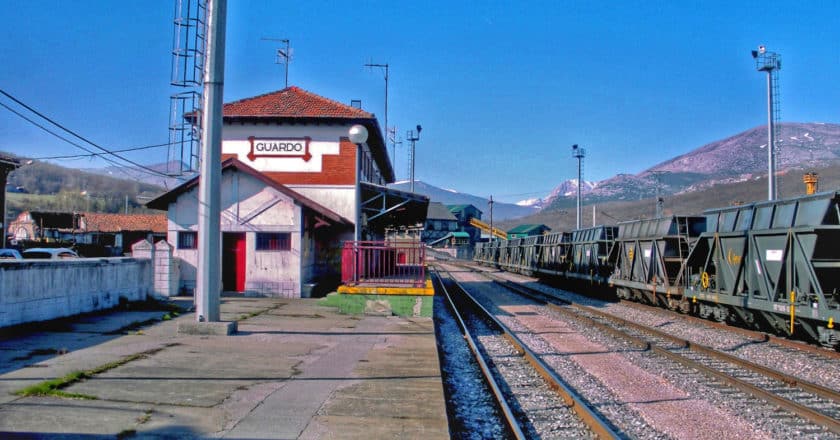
<point x="123" y="150"/>
<point x="51" y="121"/>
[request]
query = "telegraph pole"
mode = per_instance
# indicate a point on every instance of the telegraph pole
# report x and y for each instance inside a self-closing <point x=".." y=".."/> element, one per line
<point x="386" y="69"/>
<point x="492" y="238"/>
<point x="208" y="281"/>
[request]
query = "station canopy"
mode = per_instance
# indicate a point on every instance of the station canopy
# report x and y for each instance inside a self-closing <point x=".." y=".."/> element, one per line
<point x="384" y="207"/>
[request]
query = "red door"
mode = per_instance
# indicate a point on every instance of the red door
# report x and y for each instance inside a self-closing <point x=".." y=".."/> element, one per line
<point x="233" y="261"/>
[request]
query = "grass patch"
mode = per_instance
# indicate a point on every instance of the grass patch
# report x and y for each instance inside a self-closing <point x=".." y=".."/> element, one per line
<point x="54" y="387"/>
<point x="126" y="433"/>
<point x="147" y="415"/>
<point x="401" y="305"/>
<point x="245" y="316"/>
<point x="133" y="327"/>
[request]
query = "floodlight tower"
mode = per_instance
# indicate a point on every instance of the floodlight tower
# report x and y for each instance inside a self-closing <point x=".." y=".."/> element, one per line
<point x="770" y="62"/>
<point x="412" y="137"/>
<point x="578" y="153"/>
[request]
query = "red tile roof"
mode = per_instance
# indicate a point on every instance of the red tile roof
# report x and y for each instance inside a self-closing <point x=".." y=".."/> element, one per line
<point x="162" y="201"/>
<point x="292" y="102"/>
<point x="99" y="222"/>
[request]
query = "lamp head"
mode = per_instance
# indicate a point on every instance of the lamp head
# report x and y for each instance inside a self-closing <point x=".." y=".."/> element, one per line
<point x="358" y="134"/>
<point x="419" y="128"/>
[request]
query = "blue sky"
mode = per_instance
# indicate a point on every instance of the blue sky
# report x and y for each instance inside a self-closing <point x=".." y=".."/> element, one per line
<point x="502" y="89"/>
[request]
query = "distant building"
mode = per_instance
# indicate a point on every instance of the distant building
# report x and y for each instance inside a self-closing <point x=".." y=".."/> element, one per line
<point x="439" y="222"/>
<point x="7" y="165"/>
<point x="95" y="234"/>
<point x="527" y="231"/>
<point x="465" y="213"/>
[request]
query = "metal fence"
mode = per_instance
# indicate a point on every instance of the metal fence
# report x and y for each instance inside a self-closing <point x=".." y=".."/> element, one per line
<point x="383" y="263"/>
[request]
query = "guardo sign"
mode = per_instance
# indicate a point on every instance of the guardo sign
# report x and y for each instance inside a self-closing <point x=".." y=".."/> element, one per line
<point x="282" y="148"/>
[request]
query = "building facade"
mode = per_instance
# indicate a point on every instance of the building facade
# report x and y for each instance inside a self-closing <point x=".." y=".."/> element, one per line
<point x="289" y="195"/>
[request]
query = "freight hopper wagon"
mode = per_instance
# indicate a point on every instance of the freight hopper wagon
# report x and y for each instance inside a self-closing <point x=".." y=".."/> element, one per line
<point x="579" y="255"/>
<point x="772" y="264"/>
<point x="649" y="257"/>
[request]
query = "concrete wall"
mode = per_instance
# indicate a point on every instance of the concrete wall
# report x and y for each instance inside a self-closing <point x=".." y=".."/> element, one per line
<point x="48" y="289"/>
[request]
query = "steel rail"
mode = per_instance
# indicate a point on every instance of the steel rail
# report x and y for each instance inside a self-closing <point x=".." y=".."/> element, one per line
<point x="814" y="416"/>
<point x="597" y="424"/>
<point x="510" y="418"/>
<point x="759" y="336"/>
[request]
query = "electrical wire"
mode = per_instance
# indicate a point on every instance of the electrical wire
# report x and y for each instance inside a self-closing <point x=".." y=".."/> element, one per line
<point x="24" y="117"/>
<point x="82" y="156"/>
<point x="21" y="103"/>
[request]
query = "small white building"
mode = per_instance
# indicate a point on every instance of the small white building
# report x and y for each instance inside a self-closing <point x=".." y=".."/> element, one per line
<point x="289" y="194"/>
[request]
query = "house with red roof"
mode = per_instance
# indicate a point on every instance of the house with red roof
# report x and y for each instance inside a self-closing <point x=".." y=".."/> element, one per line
<point x="94" y="234"/>
<point x="289" y="194"/>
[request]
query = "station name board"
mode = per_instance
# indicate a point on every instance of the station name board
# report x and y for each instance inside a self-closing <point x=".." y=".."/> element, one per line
<point x="279" y="148"/>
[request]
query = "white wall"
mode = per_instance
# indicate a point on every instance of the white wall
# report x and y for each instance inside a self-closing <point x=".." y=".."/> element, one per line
<point x="247" y="206"/>
<point x="338" y="199"/>
<point x="41" y="290"/>
<point x="325" y="141"/>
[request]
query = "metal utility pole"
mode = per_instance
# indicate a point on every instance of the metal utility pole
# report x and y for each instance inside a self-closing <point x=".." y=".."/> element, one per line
<point x="579" y="153"/>
<point x="492" y="238"/>
<point x="386" y="69"/>
<point x="394" y="150"/>
<point x="208" y="280"/>
<point x="660" y="201"/>
<point x="411" y="137"/>
<point x="770" y="62"/>
<point x="284" y="56"/>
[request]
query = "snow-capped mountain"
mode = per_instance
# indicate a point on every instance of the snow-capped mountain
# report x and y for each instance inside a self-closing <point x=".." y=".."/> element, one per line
<point x="565" y="189"/>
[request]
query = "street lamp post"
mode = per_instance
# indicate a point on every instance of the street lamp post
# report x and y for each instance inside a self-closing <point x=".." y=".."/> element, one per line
<point x="358" y="135"/>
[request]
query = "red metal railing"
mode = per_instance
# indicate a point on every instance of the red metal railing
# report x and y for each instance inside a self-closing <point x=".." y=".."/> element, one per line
<point x="383" y="263"/>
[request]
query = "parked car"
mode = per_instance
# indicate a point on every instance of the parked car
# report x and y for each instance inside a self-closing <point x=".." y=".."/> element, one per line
<point x="9" y="254"/>
<point x="49" y="253"/>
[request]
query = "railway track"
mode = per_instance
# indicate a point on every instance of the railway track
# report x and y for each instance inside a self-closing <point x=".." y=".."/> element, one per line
<point x="756" y="335"/>
<point x="516" y="375"/>
<point x="815" y="403"/>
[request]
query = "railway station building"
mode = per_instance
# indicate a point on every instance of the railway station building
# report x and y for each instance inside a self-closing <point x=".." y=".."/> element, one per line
<point x="289" y="194"/>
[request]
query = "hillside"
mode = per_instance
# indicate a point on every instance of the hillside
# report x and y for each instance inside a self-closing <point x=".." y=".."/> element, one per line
<point x="694" y="202"/>
<point x="41" y="186"/>
<point x="739" y="158"/>
<point x="501" y="211"/>
<point x="140" y="175"/>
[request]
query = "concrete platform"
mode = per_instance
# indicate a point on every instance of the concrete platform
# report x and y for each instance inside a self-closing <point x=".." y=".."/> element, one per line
<point x="294" y="369"/>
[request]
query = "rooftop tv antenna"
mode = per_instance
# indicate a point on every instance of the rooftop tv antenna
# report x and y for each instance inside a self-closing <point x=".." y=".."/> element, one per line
<point x="284" y="55"/>
<point x="188" y="53"/>
<point x="770" y="62"/>
<point x="578" y="153"/>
